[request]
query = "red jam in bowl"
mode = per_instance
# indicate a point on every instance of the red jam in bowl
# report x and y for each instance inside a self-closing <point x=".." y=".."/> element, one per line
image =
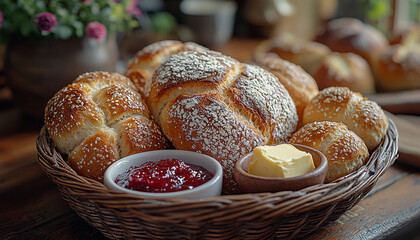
<point x="167" y="175"/>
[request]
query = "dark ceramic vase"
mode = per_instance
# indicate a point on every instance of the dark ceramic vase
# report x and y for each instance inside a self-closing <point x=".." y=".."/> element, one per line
<point x="36" y="69"/>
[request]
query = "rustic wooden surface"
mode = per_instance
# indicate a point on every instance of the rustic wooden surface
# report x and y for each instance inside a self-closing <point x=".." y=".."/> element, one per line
<point x="32" y="208"/>
<point x="404" y="102"/>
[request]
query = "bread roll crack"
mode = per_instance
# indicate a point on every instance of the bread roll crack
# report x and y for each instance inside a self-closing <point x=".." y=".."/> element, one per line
<point x="98" y="119"/>
<point x="346" y="152"/>
<point x="181" y="73"/>
<point x="340" y="104"/>
<point x="211" y="103"/>
<point x="144" y="63"/>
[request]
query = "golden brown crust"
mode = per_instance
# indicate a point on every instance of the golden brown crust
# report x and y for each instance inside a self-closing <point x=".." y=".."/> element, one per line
<point x="370" y="121"/>
<point x="211" y="103"/>
<point x="138" y="77"/>
<point x="345" y="151"/>
<point x="118" y="101"/>
<point x="98" y="80"/>
<point x="94" y="155"/>
<point x="139" y="134"/>
<point x="345" y="70"/>
<point x="203" y="123"/>
<point x="90" y="121"/>
<point x="188" y="73"/>
<point x="71" y="116"/>
<point x="398" y="67"/>
<point x="142" y="65"/>
<point x="300" y="85"/>
<point x="340" y="104"/>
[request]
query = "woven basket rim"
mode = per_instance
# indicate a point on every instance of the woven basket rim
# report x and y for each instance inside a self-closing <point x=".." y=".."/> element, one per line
<point x="289" y="202"/>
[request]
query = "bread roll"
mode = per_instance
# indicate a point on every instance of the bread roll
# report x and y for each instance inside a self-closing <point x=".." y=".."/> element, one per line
<point x="213" y="104"/>
<point x="141" y="66"/>
<point x="306" y="54"/>
<point x="344" y="150"/>
<point x="352" y="35"/>
<point x="345" y="70"/>
<point x="300" y="85"/>
<point x="98" y="119"/>
<point x="340" y="104"/>
<point x="398" y="67"/>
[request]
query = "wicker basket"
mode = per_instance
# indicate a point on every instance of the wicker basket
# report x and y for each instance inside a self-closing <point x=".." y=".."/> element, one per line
<point x="247" y="216"/>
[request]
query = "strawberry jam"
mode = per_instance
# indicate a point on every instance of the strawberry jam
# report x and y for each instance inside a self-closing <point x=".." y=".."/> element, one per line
<point x="167" y="175"/>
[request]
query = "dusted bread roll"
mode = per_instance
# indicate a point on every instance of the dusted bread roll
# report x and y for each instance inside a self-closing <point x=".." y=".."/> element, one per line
<point x="306" y="54"/>
<point x="141" y="66"/>
<point x="98" y="119"/>
<point x="344" y="150"/>
<point x="398" y="67"/>
<point x="352" y="35"/>
<point x="345" y="70"/>
<point x="301" y="86"/>
<point x="210" y="103"/>
<point x="340" y="104"/>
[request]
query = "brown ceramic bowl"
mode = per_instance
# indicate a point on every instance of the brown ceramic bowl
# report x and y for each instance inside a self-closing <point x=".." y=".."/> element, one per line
<point x="249" y="183"/>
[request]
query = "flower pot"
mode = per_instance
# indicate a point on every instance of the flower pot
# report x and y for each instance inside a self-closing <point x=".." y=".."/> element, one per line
<point x="36" y="69"/>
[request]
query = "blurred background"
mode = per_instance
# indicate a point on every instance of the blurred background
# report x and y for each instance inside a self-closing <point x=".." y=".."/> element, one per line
<point x="47" y="44"/>
<point x="370" y="46"/>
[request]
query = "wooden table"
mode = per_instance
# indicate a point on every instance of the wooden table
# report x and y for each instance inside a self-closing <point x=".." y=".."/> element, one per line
<point x="31" y="207"/>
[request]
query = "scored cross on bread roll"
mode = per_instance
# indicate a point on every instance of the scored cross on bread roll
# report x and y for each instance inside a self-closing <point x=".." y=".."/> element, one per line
<point x="98" y="119"/>
<point x="344" y="150"/>
<point x="141" y="66"/>
<point x="340" y="104"/>
<point x="213" y="104"/>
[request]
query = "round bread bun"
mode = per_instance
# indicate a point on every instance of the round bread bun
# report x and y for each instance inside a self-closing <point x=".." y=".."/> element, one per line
<point x="345" y="70"/>
<point x="352" y="35"/>
<point x="306" y="54"/>
<point x="398" y="67"/>
<point x="141" y="66"/>
<point x="301" y="86"/>
<point x="213" y="104"/>
<point x="344" y="150"/>
<point x="340" y="104"/>
<point x="98" y="119"/>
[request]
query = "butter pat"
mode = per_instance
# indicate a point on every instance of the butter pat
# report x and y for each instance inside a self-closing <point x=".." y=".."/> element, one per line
<point x="283" y="160"/>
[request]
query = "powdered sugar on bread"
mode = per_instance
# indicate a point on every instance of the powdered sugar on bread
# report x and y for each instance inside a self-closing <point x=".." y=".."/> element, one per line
<point x="92" y="119"/>
<point x="208" y="102"/>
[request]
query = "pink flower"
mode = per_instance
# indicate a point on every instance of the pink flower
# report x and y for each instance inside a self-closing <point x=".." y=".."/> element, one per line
<point x="1" y="18"/>
<point x="86" y="2"/>
<point x="46" y="21"/>
<point x="96" y="30"/>
<point x="133" y="8"/>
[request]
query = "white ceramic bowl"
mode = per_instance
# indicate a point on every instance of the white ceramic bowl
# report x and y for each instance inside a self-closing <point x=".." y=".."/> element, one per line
<point x="211" y="188"/>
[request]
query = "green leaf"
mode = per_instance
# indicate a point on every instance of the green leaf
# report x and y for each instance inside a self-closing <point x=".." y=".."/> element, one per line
<point x="62" y="12"/>
<point x="163" y="22"/>
<point x="378" y="9"/>
<point x="28" y="6"/>
<point x="25" y="29"/>
<point x="79" y="30"/>
<point x="72" y="16"/>
<point x="63" y="31"/>
<point x="40" y="6"/>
